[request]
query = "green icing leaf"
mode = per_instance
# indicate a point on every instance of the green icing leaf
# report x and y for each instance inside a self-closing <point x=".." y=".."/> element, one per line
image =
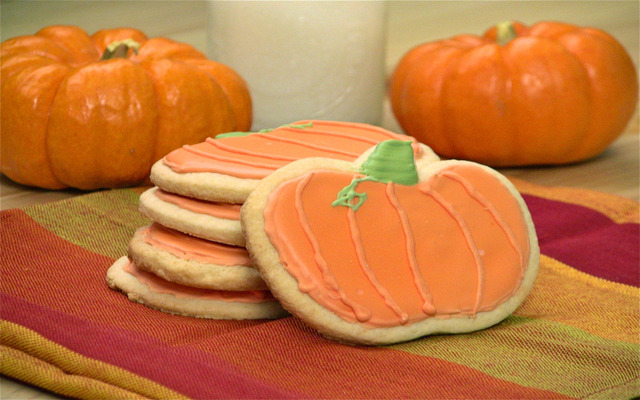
<point x="232" y="134"/>
<point x="298" y="126"/>
<point x="348" y="196"/>
<point x="238" y="134"/>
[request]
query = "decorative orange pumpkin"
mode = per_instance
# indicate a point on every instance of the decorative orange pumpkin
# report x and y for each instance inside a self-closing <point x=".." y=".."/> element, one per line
<point x="97" y="111"/>
<point x="551" y="93"/>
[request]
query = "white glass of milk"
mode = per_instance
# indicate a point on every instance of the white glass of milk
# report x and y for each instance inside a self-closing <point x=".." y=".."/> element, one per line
<point x="304" y="59"/>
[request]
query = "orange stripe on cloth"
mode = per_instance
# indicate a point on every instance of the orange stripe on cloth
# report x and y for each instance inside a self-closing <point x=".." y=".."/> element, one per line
<point x="598" y="306"/>
<point x="619" y="209"/>
<point x="294" y="355"/>
<point x="29" y="357"/>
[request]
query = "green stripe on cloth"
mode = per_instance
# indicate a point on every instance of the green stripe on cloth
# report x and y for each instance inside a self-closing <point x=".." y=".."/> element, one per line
<point x="542" y="354"/>
<point x="102" y="222"/>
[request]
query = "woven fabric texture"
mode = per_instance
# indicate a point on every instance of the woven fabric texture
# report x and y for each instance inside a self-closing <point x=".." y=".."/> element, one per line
<point x="577" y="335"/>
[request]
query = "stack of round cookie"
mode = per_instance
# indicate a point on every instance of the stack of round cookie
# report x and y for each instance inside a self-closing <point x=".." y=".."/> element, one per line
<point x="192" y="259"/>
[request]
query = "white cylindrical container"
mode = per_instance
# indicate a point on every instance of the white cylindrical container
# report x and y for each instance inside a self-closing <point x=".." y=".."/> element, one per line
<point x="304" y="59"/>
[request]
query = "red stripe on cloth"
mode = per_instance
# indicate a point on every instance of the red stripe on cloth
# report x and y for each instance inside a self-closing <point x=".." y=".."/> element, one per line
<point x="289" y="352"/>
<point x="58" y="290"/>
<point x="45" y="269"/>
<point x="587" y="240"/>
<point x="283" y="352"/>
<point x="182" y="368"/>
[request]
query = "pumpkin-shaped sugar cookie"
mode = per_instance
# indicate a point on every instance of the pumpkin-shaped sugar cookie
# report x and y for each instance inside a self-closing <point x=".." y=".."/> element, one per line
<point x="382" y="252"/>
<point x="228" y="167"/>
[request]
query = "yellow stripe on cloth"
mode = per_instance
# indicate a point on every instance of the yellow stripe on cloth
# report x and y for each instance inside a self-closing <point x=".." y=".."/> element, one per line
<point x="574" y="334"/>
<point x="619" y="209"/>
<point x="563" y="294"/>
<point x="31" y="358"/>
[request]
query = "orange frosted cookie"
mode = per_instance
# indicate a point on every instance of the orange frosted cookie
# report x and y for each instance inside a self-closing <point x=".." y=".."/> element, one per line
<point x="218" y="222"/>
<point x="191" y="261"/>
<point x="383" y="252"/>
<point x="227" y="168"/>
<point x="148" y="289"/>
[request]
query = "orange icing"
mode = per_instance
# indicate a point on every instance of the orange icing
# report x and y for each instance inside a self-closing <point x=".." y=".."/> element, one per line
<point x="455" y="244"/>
<point x="257" y="155"/>
<point x="193" y="248"/>
<point x="159" y="285"/>
<point x="214" y="209"/>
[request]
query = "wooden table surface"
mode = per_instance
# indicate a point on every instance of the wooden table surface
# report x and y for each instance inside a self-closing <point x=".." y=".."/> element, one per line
<point x="410" y="23"/>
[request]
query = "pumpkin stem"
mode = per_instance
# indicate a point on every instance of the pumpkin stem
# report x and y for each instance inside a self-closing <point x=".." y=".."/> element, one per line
<point x="505" y="32"/>
<point x="119" y="49"/>
<point x="391" y="161"/>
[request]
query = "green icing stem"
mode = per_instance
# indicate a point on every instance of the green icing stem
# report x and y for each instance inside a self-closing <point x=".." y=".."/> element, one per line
<point x="390" y="161"/>
<point x="238" y="134"/>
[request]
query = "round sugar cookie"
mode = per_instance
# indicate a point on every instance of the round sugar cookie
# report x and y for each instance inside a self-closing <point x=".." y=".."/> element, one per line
<point x="227" y="168"/>
<point x="191" y="261"/>
<point x="218" y="222"/>
<point x="382" y="252"/>
<point x="145" y="288"/>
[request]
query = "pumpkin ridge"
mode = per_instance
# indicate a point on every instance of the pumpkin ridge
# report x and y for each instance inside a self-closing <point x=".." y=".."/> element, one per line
<point x="410" y="251"/>
<point x="336" y="134"/>
<point x="512" y="135"/>
<point x="363" y="127"/>
<point x="495" y="213"/>
<point x="442" y="112"/>
<point x="13" y="47"/>
<point x="234" y="111"/>
<point x="46" y="137"/>
<point x="585" y="147"/>
<point x="584" y="138"/>
<point x="231" y="149"/>
<point x="356" y="241"/>
<point x="362" y="314"/>
<point x="426" y="189"/>
<point x="194" y="150"/>
<point x="234" y="87"/>
<point x="26" y="160"/>
<point x="304" y="144"/>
